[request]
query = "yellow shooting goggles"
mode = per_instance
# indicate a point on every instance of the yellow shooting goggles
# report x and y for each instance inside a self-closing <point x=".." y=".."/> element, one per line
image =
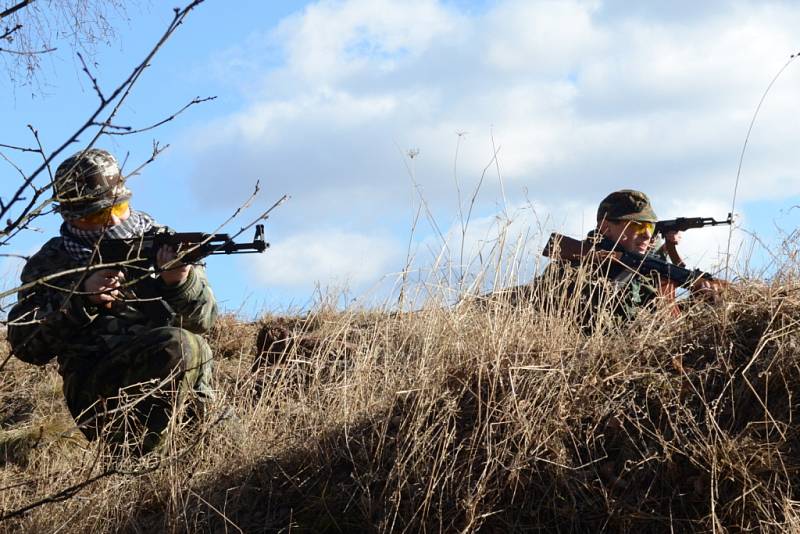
<point x="642" y="227"/>
<point x="104" y="215"/>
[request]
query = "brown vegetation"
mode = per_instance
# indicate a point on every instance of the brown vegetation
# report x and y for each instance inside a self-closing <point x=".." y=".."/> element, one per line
<point x="454" y="418"/>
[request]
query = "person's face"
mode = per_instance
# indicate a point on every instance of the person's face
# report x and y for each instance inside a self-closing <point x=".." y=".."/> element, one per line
<point x="633" y="236"/>
<point x="104" y="218"/>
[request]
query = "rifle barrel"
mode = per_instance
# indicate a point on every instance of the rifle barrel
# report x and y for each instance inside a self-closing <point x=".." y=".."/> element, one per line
<point x="681" y="224"/>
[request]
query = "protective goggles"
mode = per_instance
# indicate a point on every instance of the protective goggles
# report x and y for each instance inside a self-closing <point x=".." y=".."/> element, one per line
<point x="642" y="228"/>
<point x="104" y="215"/>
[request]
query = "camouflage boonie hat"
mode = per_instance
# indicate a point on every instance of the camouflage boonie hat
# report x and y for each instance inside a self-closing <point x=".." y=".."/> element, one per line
<point x="88" y="181"/>
<point x="626" y="205"/>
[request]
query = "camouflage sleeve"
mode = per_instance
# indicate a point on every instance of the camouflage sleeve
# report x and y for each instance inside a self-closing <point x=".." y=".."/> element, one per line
<point x="47" y="317"/>
<point x="43" y="320"/>
<point x="193" y="302"/>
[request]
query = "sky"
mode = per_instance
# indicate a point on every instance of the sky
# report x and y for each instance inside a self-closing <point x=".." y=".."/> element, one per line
<point x="441" y="139"/>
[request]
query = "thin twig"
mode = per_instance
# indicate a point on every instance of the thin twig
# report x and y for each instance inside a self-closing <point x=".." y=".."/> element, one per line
<point x="20" y="148"/>
<point x="10" y="31"/>
<point x="127" y="130"/>
<point x="261" y="217"/>
<point x="28" y="52"/>
<point x="20" y="256"/>
<point x="92" y="79"/>
<point x="157" y="150"/>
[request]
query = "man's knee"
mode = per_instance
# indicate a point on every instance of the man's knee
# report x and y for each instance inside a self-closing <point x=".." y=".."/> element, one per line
<point x="175" y="350"/>
<point x="185" y="354"/>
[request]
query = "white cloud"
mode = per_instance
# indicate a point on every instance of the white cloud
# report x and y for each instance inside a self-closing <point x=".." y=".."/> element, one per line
<point x="266" y="123"/>
<point x="330" y="256"/>
<point x="553" y="36"/>
<point x="581" y="97"/>
<point x="331" y="40"/>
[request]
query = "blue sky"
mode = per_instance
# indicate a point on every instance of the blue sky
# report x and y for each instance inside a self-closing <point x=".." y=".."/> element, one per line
<point x="324" y="100"/>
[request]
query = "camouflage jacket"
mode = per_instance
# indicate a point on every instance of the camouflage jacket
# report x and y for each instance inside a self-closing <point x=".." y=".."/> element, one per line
<point x="609" y="288"/>
<point x="51" y="320"/>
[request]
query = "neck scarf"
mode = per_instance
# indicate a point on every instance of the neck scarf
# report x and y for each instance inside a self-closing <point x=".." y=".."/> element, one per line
<point x="80" y="244"/>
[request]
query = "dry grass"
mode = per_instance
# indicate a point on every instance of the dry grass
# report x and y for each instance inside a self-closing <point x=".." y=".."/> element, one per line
<point x="481" y="416"/>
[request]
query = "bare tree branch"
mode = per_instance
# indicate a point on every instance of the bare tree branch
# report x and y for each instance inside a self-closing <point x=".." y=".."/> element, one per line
<point x="93" y="79"/>
<point x="20" y="256"/>
<point x="13" y="9"/>
<point x="10" y="31"/>
<point x="127" y="130"/>
<point x="157" y="149"/>
<point x="40" y="28"/>
<point x="16" y="168"/>
<point x="119" y="95"/>
<point x="28" y="52"/>
<point x="40" y="150"/>
<point x="19" y="148"/>
<point x="13" y="229"/>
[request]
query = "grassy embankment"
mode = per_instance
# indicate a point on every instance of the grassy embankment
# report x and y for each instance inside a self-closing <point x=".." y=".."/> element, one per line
<point x="455" y="418"/>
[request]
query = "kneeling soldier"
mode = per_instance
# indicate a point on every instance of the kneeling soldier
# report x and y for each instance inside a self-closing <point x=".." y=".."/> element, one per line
<point x="127" y="341"/>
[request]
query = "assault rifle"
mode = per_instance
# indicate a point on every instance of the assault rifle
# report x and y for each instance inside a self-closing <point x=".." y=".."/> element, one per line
<point x="573" y="250"/>
<point x="139" y="253"/>
<point x="682" y="224"/>
<point x="191" y="247"/>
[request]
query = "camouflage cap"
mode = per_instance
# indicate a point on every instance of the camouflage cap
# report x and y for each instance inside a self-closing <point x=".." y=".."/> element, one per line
<point x="88" y="181"/>
<point x="626" y="205"/>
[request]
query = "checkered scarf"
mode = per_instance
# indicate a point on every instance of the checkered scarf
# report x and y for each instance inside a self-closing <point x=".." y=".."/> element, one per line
<point x="80" y="243"/>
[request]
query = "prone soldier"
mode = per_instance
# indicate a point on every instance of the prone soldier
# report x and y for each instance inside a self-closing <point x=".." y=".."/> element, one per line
<point x="625" y="219"/>
<point x="630" y="274"/>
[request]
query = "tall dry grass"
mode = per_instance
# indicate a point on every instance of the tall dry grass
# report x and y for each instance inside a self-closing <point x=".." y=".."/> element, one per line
<point x="492" y="415"/>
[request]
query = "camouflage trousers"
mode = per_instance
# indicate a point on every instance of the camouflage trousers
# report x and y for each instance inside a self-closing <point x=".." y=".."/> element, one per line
<point x="128" y="396"/>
